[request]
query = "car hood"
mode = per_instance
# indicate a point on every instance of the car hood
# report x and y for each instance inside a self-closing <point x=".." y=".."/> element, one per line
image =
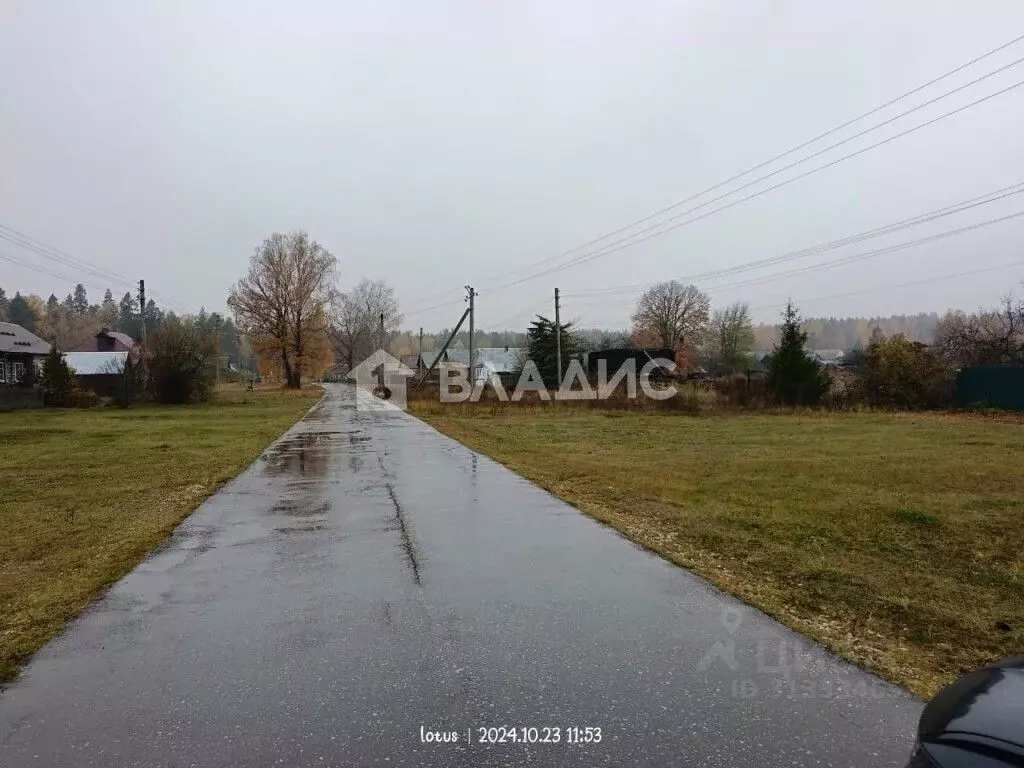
<point x="983" y="711"/>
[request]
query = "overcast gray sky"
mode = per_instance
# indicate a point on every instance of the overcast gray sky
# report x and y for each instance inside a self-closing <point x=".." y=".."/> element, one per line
<point x="434" y="144"/>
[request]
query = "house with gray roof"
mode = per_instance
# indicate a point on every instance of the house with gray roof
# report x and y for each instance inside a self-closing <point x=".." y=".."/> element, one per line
<point x="19" y="348"/>
<point x="498" y="364"/>
<point x="490" y="364"/>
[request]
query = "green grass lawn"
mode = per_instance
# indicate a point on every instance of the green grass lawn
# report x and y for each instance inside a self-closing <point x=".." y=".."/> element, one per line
<point x="88" y="493"/>
<point x="895" y="539"/>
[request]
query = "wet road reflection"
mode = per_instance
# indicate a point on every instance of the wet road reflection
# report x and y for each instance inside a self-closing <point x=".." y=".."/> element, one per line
<point x="368" y="576"/>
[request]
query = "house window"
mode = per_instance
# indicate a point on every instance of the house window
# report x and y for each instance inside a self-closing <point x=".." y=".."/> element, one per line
<point x="3" y="371"/>
<point x="19" y="371"/>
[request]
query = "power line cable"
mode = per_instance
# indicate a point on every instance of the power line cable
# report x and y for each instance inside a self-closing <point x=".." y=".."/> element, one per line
<point x="892" y="286"/>
<point x="899" y="285"/>
<point x="522" y="313"/>
<point x="96" y="272"/>
<point x="43" y="270"/>
<point x="847" y="259"/>
<point x="608" y="250"/>
<point x="773" y="159"/>
<point x="923" y="218"/>
<point x="869" y="254"/>
<point x="421" y="310"/>
<point x="599" y="254"/>
<point x="50" y="251"/>
<point x="37" y="246"/>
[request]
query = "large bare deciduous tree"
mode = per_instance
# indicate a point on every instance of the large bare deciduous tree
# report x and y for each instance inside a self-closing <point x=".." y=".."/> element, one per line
<point x="283" y="299"/>
<point x="355" y="329"/>
<point x="673" y="313"/>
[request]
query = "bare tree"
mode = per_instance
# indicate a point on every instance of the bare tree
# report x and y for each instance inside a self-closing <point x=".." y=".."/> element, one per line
<point x="731" y="337"/>
<point x="994" y="337"/>
<point x="355" y="321"/>
<point x="282" y="301"/>
<point x="675" y="314"/>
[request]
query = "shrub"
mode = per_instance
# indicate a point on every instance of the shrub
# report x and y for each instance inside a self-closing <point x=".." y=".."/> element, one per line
<point x="742" y="390"/>
<point x="687" y="399"/>
<point x="58" y="381"/>
<point x="898" y="373"/>
<point x="83" y="398"/>
<point x="180" y="365"/>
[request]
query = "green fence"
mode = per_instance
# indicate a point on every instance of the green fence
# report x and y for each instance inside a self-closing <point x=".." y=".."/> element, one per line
<point x="994" y="386"/>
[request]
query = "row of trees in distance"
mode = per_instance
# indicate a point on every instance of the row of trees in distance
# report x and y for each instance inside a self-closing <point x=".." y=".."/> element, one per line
<point x="76" y="320"/>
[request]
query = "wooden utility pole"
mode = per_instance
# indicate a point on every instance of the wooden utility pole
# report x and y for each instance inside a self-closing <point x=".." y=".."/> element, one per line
<point x="238" y="346"/>
<point x="558" y="339"/>
<point x="471" y="295"/>
<point x="380" y="345"/>
<point x="444" y="346"/>
<point x="419" y="353"/>
<point x="216" y="362"/>
<point x="142" y="309"/>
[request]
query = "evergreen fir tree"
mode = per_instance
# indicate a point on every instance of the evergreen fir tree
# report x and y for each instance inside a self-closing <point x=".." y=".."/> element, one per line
<point x="541" y="346"/>
<point x="80" y="302"/>
<point x="795" y="377"/>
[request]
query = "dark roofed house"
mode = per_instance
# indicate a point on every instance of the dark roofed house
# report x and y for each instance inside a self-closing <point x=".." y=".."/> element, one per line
<point x="19" y="348"/>
<point x="108" y="341"/>
<point x="616" y="357"/>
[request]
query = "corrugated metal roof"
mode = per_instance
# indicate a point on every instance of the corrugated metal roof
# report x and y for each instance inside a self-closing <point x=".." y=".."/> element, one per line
<point x="92" y="363"/>
<point x="499" y="359"/>
<point x="828" y="354"/>
<point x="14" y="338"/>
<point x="460" y="356"/>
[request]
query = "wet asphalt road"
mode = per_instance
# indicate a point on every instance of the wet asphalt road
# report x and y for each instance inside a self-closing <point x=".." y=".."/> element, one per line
<point x="368" y="577"/>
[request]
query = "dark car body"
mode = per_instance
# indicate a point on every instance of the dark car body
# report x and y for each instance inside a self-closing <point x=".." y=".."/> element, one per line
<point x="978" y="721"/>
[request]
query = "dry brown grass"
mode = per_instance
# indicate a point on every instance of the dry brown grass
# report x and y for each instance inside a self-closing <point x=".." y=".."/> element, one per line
<point x="895" y="539"/>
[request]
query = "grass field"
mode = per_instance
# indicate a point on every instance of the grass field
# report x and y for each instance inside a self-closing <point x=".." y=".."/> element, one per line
<point x="88" y="493"/>
<point x="895" y="539"/>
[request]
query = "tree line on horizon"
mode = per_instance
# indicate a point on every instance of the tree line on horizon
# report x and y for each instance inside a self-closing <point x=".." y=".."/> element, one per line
<point x="75" y="320"/>
<point x="847" y="334"/>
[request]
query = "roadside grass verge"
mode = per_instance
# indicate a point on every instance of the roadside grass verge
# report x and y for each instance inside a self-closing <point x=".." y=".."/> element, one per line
<point x="897" y="540"/>
<point x="86" y="494"/>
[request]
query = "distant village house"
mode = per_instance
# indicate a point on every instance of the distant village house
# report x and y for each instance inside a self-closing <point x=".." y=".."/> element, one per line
<point x="19" y="349"/>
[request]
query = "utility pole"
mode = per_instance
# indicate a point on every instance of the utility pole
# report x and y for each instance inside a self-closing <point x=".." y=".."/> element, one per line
<point x="444" y="347"/>
<point x="238" y="346"/>
<point x="216" y="360"/>
<point x="380" y="345"/>
<point x="419" y="355"/>
<point x="471" y="294"/>
<point x="558" y="339"/>
<point x="142" y="309"/>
